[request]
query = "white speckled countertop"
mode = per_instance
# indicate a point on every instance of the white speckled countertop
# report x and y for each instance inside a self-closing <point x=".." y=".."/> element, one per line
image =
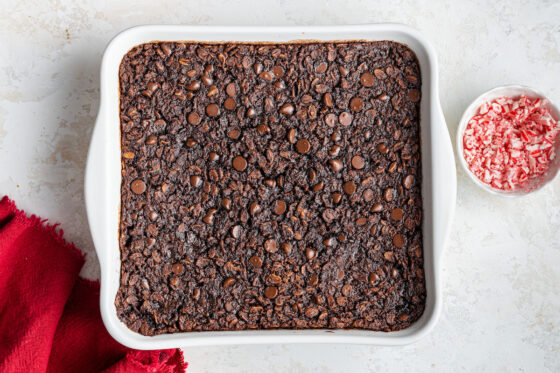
<point x="502" y="266"/>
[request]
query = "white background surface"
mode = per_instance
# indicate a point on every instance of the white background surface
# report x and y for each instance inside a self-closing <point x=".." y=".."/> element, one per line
<point x="502" y="266"/>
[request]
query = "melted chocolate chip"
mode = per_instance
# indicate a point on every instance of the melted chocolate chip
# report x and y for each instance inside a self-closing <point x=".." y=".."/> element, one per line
<point x="239" y="163"/>
<point x="303" y="146"/>
<point x="138" y="186"/>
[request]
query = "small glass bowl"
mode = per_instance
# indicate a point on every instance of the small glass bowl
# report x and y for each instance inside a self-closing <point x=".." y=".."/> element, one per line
<point x="513" y="91"/>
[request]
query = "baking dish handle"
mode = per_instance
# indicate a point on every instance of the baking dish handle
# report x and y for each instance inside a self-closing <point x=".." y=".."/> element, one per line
<point x="445" y="188"/>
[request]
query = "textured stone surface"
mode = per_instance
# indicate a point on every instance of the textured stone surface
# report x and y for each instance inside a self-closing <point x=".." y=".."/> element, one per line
<point x="500" y="271"/>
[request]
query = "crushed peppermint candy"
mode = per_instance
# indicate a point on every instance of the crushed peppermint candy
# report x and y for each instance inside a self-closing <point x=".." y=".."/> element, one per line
<point x="510" y="142"/>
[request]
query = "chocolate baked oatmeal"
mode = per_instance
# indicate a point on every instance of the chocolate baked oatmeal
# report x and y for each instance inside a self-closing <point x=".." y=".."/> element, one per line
<point x="270" y="186"/>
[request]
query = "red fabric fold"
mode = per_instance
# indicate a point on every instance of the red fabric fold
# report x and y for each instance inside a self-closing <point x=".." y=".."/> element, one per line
<point x="49" y="316"/>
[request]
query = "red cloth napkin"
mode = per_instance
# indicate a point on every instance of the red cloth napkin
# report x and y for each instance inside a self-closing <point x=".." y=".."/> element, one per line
<point x="49" y="316"/>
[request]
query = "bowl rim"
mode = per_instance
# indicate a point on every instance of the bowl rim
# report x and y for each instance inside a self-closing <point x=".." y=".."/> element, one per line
<point x="466" y="117"/>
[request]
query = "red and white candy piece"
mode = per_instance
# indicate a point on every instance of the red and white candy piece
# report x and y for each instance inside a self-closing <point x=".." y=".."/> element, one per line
<point x="510" y="141"/>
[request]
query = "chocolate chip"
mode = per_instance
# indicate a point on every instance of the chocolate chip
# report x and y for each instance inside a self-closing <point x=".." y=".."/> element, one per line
<point x="251" y="112"/>
<point x="254" y="208"/>
<point x="229" y="103"/>
<point x="234" y="134"/>
<point x="335" y="164"/>
<point x="151" y="140"/>
<point x="329" y="241"/>
<point x="356" y="104"/>
<point x="207" y="80"/>
<point x="366" y="79"/>
<point x="389" y="256"/>
<point x="212" y="91"/>
<point x="278" y="71"/>
<point x="368" y="195"/>
<point x="398" y="240"/>
<point x="236" y="231"/>
<point x="239" y="163"/>
<point x="193" y="86"/>
<point x="287" y="109"/>
<point x="291" y="135"/>
<point x="256" y="261"/>
<point x="330" y="120"/>
<point x="279" y="207"/>
<point x="397" y="214"/>
<point x="358" y="162"/>
<point x="346" y="290"/>
<point x="318" y="187"/>
<point x="193" y="118"/>
<point x="312" y="175"/>
<point x="337" y="197"/>
<point x="408" y="181"/>
<point x="209" y="217"/>
<point x="226" y="203"/>
<point x="334" y="150"/>
<point x="178" y="268"/>
<point x="286" y="247"/>
<point x="270" y="246"/>
<point x="212" y="110"/>
<point x="213" y="156"/>
<point x="280" y="85"/>
<point x="138" y="186"/>
<point x="271" y="292"/>
<point x="336" y="135"/>
<point x="196" y="181"/>
<point x="310" y="254"/>
<point x="345" y="119"/>
<point x="303" y="146"/>
<point x="373" y="278"/>
<point x="388" y="194"/>
<point x="349" y="187"/>
<point x="196" y="294"/>
<point x="231" y="90"/>
<point x="378" y="207"/>
<point x="382" y="148"/>
<point x="267" y="75"/>
<point x="228" y="282"/>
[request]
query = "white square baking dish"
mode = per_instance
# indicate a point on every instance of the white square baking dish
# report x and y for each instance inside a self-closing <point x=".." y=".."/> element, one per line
<point x="103" y="180"/>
